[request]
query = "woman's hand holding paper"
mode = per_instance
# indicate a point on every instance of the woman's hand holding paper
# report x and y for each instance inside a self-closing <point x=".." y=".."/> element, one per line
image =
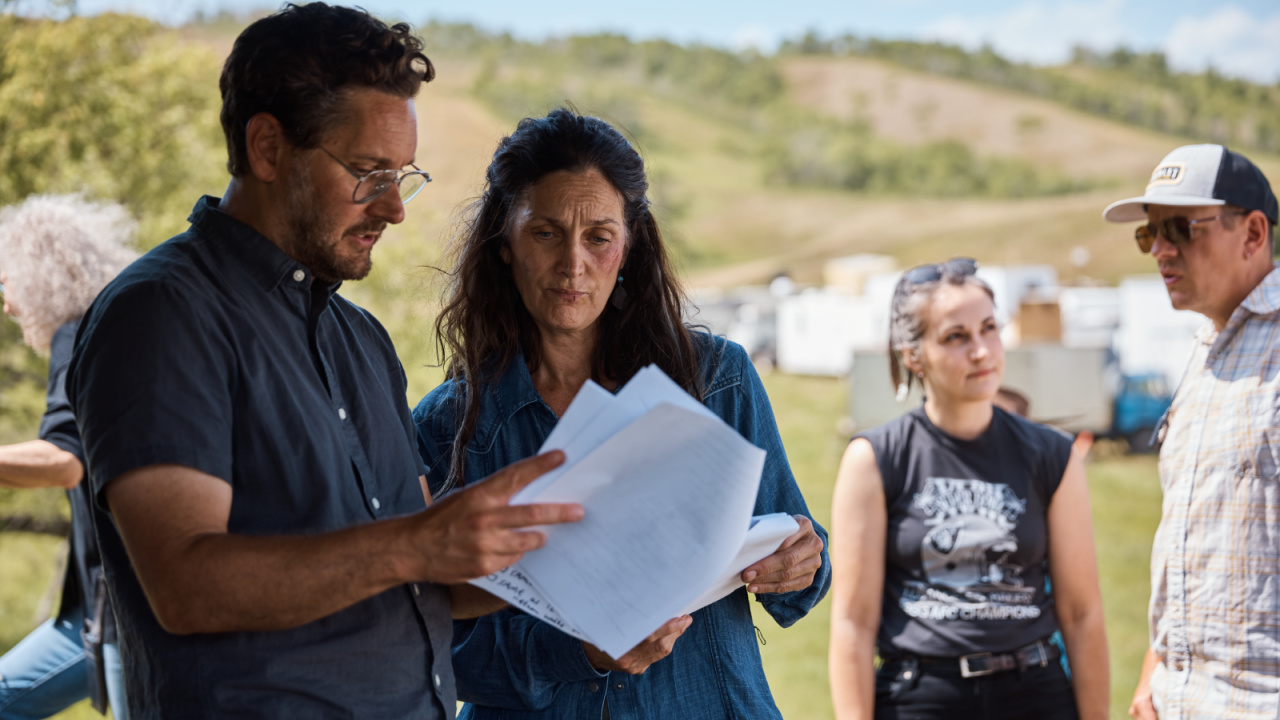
<point x="791" y="567"/>
<point x="639" y="658"/>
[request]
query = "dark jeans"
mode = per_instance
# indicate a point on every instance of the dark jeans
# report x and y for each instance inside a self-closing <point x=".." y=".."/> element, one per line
<point x="909" y="690"/>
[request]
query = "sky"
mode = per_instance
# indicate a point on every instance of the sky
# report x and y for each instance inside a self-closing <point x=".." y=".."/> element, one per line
<point x="1237" y="37"/>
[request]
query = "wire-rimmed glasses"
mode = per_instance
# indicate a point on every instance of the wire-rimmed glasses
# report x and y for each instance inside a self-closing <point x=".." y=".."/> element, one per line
<point x="372" y="185"/>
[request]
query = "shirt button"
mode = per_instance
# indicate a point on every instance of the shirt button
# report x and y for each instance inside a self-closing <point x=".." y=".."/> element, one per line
<point x="618" y="686"/>
<point x="342" y="413"/>
<point x="437" y="679"/>
<point x="299" y="275"/>
<point x="374" y="502"/>
<point x="593" y="687"/>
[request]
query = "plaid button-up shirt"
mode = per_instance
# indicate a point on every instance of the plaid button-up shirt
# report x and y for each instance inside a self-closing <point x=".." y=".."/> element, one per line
<point x="1215" y="564"/>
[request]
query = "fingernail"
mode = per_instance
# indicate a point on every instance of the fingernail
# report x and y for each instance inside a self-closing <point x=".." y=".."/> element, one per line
<point x="753" y="588"/>
<point x="750" y="575"/>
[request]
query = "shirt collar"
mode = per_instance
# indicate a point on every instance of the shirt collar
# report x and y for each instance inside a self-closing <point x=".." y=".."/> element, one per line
<point x="1265" y="298"/>
<point x="511" y="393"/>
<point x="1262" y="300"/>
<point x="261" y="258"/>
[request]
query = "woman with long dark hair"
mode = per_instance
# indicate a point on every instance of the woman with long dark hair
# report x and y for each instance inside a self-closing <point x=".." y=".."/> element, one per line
<point x="948" y="525"/>
<point x="561" y="276"/>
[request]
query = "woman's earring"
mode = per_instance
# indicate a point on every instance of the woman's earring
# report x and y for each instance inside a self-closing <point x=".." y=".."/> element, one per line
<point x="619" y="297"/>
<point x="920" y="374"/>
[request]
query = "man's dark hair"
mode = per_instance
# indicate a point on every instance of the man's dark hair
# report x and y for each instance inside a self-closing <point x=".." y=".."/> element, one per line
<point x="298" y="64"/>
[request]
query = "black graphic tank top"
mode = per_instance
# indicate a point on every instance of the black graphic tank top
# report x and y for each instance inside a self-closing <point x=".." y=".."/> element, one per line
<point x="966" y="552"/>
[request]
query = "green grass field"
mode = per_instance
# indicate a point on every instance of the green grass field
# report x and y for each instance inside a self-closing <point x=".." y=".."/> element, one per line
<point x="1126" y="502"/>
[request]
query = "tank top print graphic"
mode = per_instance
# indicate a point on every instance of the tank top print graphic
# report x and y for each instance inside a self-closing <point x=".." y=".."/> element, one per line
<point x="966" y="555"/>
<point x="967" y="538"/>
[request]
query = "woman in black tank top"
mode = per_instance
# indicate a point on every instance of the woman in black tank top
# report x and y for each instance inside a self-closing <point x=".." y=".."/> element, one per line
<point x="962" y="538"/>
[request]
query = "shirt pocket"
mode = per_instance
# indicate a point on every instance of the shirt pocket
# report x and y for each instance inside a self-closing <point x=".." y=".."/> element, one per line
<point x="1260" y="456"/>
<point x="1265" y="454"/>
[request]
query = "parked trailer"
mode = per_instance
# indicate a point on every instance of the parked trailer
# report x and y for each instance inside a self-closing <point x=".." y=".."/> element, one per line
<point x="1075" y="389"/>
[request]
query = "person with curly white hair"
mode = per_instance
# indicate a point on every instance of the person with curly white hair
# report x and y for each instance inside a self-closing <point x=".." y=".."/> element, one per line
<point x="57" y="252"/>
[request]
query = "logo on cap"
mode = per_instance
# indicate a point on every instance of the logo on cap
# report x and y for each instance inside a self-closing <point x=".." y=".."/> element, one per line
<point x="1167" y="174"/>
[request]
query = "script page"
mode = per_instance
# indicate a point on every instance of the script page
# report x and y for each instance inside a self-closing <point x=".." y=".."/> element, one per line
<point x="668" y="503"/>
<point x="763" y="539"/>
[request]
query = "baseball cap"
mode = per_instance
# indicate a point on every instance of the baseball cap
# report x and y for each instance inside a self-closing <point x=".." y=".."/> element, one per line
<point x="1200" y="175"/>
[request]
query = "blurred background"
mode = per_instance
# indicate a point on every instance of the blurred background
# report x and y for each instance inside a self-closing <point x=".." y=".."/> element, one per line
<point x="801" y="156"/>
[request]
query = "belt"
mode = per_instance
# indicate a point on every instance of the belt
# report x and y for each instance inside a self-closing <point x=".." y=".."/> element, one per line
<point x="1038" y="654"/>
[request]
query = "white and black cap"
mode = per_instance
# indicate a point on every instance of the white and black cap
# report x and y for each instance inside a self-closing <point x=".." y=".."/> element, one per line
<point x="1196" y="175"/>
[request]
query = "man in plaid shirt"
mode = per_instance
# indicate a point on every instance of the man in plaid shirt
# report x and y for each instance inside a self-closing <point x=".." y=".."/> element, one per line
<point x="1215" y="563"/>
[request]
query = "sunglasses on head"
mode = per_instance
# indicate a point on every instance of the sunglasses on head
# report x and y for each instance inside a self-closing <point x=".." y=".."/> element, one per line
<point x="955" y="267"/>
<point x="1176" y="229"/>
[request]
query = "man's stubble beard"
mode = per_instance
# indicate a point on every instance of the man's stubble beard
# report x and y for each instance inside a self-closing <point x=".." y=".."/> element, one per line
<point x="314" y="235"/>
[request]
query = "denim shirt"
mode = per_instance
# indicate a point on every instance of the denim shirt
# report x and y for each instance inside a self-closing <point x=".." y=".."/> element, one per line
<point x="511" y="665"/>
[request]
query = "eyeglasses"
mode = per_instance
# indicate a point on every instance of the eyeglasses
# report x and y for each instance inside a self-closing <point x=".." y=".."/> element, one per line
<point x="1176" y="229"/>
<point x="371" y="186"/>
<point x="955" y="267"/>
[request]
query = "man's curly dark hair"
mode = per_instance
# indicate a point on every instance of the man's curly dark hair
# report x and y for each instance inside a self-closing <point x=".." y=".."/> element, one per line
<point x="298" y="64"/>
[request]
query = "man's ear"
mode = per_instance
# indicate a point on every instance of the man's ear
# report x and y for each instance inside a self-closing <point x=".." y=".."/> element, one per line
<point x="1257" y="234"/>
<point x="266" y="146"/>
<point x="504" y="252"/>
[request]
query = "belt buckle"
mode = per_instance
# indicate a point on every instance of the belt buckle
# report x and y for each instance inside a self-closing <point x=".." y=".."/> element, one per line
<point x="966" y="672"/>
<point x="1042" y="652"/>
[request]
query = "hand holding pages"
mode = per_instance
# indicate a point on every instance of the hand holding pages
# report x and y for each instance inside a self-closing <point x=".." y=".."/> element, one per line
<point x="668" y="490"/>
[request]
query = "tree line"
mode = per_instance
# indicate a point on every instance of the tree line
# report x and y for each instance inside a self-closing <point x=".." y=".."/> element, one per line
<point x="1136" y="88"/>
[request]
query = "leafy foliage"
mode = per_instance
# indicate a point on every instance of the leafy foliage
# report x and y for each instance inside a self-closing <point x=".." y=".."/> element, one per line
<point x="119" y="108"/>
<point x="518" y="79"/>
<point x="111" y="105"/>
<point x="848" y="156"/>
<point x="1134" y="88"/>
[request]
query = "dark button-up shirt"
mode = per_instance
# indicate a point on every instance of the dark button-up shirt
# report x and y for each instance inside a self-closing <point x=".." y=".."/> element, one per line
<point x="217" y="351"/>
<point x="83" y="598"/>
<point x="513" y="666"/>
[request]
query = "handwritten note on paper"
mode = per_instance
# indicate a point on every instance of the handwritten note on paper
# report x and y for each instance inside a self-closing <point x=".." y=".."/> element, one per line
<point x="514" y="586"/>
<point x="668" y="490"/>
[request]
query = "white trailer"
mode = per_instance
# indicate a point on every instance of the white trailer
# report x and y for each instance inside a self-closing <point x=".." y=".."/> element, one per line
<point x="818" y="331"/>
<point x="1071" y="388"/>
<point x="1152" y="336"/>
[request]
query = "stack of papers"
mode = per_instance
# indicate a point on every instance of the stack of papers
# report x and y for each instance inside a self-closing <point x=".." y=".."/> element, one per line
<point x="668" y="489"/>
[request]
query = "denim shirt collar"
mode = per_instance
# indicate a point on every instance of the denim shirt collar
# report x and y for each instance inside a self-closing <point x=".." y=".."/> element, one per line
<point x="513" y="392"/>
<point x="265" y="262"/>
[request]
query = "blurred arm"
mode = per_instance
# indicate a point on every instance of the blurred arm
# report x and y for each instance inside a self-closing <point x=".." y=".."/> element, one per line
<point x="859" y="523"/>
<point x="1073" y="568"/>
<point x="38" y="463"/>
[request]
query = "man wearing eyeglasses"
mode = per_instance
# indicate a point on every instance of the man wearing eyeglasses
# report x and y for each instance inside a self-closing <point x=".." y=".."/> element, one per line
<point x="270" y="545"/>
<point x="1215" y="562"/>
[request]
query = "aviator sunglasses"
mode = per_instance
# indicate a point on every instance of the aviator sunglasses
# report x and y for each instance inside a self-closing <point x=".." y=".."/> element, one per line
<point x="955" y="267"/>
<point x="1176" y="229"/>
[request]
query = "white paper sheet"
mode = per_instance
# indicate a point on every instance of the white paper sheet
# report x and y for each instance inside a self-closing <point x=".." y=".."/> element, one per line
<point x="763" y="539"/>
<point x="668" y="489"/>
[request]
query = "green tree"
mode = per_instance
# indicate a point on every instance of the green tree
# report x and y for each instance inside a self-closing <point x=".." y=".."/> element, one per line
<point x="115" y="106"/>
